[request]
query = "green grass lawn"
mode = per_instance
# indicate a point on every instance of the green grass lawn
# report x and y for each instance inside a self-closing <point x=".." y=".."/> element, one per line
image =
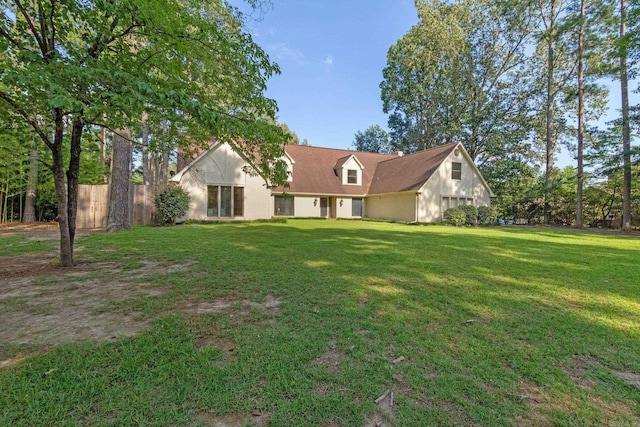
<point x="307" y="323"/>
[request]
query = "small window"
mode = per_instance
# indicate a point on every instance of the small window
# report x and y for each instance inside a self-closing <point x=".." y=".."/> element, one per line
<point x="352" y="176"/>
<point x="456" y="170"/>
<point x="356" y="207"/>
<point x="238" y="201"/>
<point x="283" y="206"/>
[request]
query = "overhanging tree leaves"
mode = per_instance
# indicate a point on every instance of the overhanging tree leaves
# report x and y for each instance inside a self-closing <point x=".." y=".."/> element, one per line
<point x="69" y="65"/>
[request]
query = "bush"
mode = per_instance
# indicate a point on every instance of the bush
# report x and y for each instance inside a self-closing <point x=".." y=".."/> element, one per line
<point x="471" y="214"/>
<point x="455" y="216"/>
<point x="487" y="215"/>
<point x="171" y="203"/>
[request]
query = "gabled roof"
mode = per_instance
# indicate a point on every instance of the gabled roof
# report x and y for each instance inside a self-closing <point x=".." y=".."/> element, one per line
<point x="410" y="172"/>
<point x="314" y="173"/>
<point x="341" y="162"/>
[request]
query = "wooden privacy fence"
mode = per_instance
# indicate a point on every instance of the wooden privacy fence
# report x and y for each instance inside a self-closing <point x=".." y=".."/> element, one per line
<point x="93" y="205"/>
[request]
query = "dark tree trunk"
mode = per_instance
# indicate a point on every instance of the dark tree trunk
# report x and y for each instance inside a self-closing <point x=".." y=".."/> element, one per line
<point x="73" y="174"/>
<point x="147" y="173"/>
<point x="580" y="177"/>
<point x="57" y="168"/>
<point x="626" y="131"/>
<point x="549" y="137"/>
<point x="118" y="213"/>
<point x="103" y="154"/>
<point x="550" y="113"/>
<point x="32" y="183"/>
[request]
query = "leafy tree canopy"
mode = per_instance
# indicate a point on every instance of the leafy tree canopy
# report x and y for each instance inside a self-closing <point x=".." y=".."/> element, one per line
<point x="69" y="65"/>
<point x="374" y="139"/>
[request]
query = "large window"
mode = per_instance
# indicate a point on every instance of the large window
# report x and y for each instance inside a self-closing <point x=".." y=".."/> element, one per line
<point x="456" y="170"/>
<point x="283" y="206"/>
<point x="352" y="176"/>
<point x="356" y="207"/>
<point x="224" y="201"/>
<point x="454" y="202"/>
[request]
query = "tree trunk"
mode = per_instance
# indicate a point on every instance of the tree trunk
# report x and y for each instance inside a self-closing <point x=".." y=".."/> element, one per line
<point x="73" y="173"/>
<point x="57" y="168"/>
<point x="103" y="154"/>
<point x="550" y="104"/>
<point x="580" y="177"/>
<point x="32" y="183"/>
<point x="626" y="131"/>
<point x="147" y="174"/>
<point x="118" y="213"/>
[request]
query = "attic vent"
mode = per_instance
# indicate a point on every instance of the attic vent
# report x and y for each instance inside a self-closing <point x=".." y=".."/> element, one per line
<point x="456" y="152"/>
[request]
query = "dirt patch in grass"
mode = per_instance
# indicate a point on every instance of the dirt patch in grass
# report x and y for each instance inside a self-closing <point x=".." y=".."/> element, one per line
<point x="238" y="310"/>
<point x="330" y="358"/>
<point x="46" y="305"/>
<point x="542" y="404"/>
<point x="40" y="230"/>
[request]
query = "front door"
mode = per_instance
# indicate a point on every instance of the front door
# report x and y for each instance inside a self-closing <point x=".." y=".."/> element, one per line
<point x="324" y="207"/>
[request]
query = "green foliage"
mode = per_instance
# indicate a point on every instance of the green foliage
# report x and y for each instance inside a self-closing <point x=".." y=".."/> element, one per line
<point x="454" y="77"/>
<point x="487" y="215"/>
<point x="374" y="140"/>
<point x="172" y="203"/>
<point x="471" y="214"/>
<point x="455" y="216"/>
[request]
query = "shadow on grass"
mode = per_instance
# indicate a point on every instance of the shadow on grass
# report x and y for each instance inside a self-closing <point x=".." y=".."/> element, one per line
<point x="486" y="321"/>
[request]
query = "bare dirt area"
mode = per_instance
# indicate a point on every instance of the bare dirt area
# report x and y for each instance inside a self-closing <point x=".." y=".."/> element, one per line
<point x="46" y="305"/>
<point x="42" y="305"/>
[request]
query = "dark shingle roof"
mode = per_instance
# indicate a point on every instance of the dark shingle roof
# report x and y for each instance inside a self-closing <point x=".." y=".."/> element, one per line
<point x="314" y="173"/>
<point x="410" y="172"/>
<point x="314" y="170"/>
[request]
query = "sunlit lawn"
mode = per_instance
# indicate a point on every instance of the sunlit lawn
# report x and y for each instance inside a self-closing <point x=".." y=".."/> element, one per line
<point x="485" y="326"/>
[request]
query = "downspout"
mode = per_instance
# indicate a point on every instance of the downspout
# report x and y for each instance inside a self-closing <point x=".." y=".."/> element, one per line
<point x="417" y="205"/>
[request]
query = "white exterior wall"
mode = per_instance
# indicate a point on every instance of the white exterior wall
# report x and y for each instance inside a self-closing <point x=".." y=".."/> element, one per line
<point x="397" y="207"/>
<point x="346" y="210"/>
<point x="303" y="206"/>
<point x="441" y="185"/>
<point x="223" y="166"/>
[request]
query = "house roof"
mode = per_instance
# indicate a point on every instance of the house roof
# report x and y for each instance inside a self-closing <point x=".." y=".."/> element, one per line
<point x="410" y="172"/>
<point x="314" y="171"/>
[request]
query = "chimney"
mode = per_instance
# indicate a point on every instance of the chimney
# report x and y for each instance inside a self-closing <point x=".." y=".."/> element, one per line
<point x="400" y="154"/>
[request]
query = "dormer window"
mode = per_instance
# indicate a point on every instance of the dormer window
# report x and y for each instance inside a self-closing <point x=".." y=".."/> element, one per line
<point x="349" y="170"/>
<point x="352" y="176"/>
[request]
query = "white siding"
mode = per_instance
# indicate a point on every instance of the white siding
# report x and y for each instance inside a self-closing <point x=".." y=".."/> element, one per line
<point x="346" y="210"/>
<point x="303" y="206"/>
<point x="397" y="207"/>
<point x="223" y="166"/>
<point x="442" y="185"/>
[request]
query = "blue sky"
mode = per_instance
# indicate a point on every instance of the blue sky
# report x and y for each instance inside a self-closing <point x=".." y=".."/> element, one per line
<point x="331" y="54"/>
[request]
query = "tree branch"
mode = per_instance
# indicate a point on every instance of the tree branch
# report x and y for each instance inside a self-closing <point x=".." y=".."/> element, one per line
<point x="32" y="27"/>
<point x="26" y="116"/>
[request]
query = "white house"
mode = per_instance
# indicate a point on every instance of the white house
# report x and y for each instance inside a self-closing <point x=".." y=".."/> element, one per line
<point x="332" y="183"/>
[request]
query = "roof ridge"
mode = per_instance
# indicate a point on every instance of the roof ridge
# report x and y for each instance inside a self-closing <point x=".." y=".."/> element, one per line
<point x="340" y="149"/>
<point x="422" y="151"/>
